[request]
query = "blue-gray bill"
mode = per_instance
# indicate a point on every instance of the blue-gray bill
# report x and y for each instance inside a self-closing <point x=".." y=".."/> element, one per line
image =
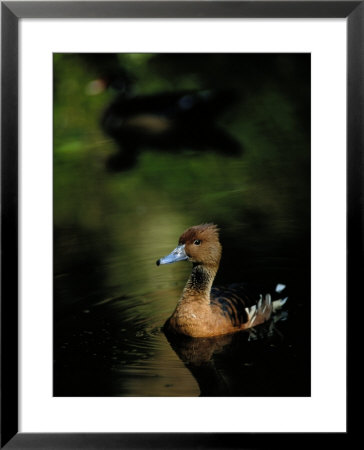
<point x="178" y="254"/>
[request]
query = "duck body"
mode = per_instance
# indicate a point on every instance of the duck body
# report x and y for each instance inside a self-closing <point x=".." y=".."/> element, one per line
<point x="204" y="310"/>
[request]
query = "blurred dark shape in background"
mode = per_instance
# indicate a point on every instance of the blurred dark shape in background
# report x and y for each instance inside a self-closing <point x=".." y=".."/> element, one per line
<point x="108" y="71"/>
<point x="167" y="121"/>
<point x="247" y="73"/>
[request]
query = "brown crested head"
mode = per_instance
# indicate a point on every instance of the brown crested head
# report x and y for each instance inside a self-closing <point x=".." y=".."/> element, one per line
<point x="202" y="244"/>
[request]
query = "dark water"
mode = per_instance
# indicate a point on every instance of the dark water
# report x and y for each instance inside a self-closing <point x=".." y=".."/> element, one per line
<point x="118" y="349"/>
<point x="121" y="200"/>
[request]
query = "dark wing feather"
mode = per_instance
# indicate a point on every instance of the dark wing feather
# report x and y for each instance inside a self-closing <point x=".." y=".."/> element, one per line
<point x="236" y="300"/>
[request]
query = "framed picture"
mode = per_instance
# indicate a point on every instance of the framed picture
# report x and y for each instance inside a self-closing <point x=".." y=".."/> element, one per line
<point x="144" y="132"/>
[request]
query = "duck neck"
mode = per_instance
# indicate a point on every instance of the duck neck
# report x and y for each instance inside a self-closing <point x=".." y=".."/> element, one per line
<point x="199" y="284"/>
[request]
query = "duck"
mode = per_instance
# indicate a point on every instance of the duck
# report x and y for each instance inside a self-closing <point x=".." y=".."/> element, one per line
<point x="204" y="310"/>
<point x="167" y="122"/>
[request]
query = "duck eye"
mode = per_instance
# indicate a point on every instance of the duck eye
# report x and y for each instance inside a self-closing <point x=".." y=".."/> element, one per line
<point x="197" y="242"/>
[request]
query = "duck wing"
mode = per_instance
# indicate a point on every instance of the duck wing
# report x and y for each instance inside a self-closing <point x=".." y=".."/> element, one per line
<point x="243" y="302"/>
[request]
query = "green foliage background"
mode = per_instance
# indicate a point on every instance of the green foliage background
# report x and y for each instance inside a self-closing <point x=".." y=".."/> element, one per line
<point x="111" y="227"/>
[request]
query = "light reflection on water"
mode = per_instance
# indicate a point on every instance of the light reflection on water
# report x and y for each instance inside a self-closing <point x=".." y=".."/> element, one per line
<point x="124" y="342"/>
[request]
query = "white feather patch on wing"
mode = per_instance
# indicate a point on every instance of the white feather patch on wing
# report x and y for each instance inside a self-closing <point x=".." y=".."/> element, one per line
<point x="267" y="302"/>
<point x="260" y="302"/>
<point x="277" y="304"/>
<point x="252" y="313"/>
<point x="280" y="287"/>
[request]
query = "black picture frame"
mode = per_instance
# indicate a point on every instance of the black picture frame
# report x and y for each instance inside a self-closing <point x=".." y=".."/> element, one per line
<point x="11" y="12"/>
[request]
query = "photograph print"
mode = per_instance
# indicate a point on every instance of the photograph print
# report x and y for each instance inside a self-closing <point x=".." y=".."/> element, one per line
<point x="181" y="214"/>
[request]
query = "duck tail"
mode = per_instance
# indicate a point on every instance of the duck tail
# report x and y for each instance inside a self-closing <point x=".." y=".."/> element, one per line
<point x="278" y="303"/>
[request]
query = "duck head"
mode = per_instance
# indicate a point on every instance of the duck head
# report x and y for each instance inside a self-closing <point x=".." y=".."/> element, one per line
<point x="199" y="244"/>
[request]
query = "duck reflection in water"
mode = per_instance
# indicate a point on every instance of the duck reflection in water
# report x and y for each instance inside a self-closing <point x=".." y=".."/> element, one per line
<point x="239" y="364"/>
<point x="167" y="121"/>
